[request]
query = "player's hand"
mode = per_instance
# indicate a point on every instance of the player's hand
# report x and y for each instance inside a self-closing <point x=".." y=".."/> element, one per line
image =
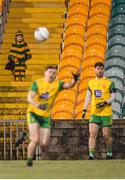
<point x="43" y="106"/>
<point x="76" y="76"/>
<point x="84" y="114"/>
<point x="101" y="104"/>
<point x="44" y="95"/>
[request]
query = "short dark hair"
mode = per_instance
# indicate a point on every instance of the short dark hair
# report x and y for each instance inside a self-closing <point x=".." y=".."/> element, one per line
<point x="100" y="64"/>
<point x="51" y="67"/>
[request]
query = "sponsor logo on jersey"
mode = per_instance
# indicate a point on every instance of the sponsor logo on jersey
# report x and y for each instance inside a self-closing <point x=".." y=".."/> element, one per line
<point x="98" y="93"/>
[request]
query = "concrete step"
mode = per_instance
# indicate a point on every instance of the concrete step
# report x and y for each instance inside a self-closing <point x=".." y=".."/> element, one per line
<point x="37" y="20"/>
<point x="30" y="35"/>
<point x="34" y="15"/>
<point x="13" y="94"/>
<point x="14" y="111"/>
<point x="36" y="57"/>
<point x="21" y="25"/>
<point x="33" y="67"/>
<point x="31" y="30"/>
<point x="10" y="78"/>
<point x="36" y="5"/>
<point x="16" y="89"/>
<point x="33" y="40"/>
<point x="36" y="62"/>
<point x="13" y="105"/>
<point x="17" y="99"/>
<point x="37" y="51"/>
<point x="38" y="45"/>
<point x="16" y="84"/>
<point x="38" y="10"/>
<point x="28" y="72"/>
<point x="40" y="1"/>
<point x="5" y="72"/>
<point x="13" y="117"/>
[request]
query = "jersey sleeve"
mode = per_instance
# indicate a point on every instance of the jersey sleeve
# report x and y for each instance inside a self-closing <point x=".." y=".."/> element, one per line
<point x="112" y="88"/>
<point x="61" y="85"/>
<point x="34" y="87"/>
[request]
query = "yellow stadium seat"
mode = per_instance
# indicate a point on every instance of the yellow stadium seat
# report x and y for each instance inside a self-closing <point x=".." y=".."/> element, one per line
<point x="76" y="19"/>
<point x="98" y="20"/>
<point x="74" y="39"/>
<point x="79" y="106"/>
<point x="96" y="39"/>
<point x="86" y="2"/>
<point x="64" y="100"/>
<point x="78" y="8"/>
<point x="97" y="29"/>
<point x="85" y="80"/>
<point x="100" y="14"/>
<point x="63" y="106"/>
<point x="72" y="59"/>
<point x="69" y="68"/>
<point x="96" y="46"/>
<point x="101" y="8"/>
<point x="62" y="115"/>
<point x="79" y="109"/>
<point x="107" y="2"/>
<point x="90" y="62"/>
<point x="73" y="46"/>
<point x="95" y="53"/>
<point x="75" y="29"/>
<point x="81" y="96"/>
<point x="71" y="52"/>
<point x="66" y="94"/>
<point x="83" y="84"/>
<point x="90" y="71"/>
<point x="65" y="75"/>
<point x="68" y="62"/>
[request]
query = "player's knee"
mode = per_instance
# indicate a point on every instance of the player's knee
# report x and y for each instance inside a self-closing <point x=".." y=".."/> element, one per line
<point x="44" y="144"/>
<point x="93" y="135"/>
<point x="106" y="136"/>
<point x="35" y="140"/>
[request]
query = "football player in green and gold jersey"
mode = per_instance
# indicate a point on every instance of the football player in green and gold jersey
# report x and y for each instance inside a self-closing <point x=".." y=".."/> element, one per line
<point x="41" y="97"/>
<point x="101" y="91"/>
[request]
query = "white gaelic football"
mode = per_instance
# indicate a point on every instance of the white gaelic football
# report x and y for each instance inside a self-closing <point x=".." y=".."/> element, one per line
<point x="41" y="34"/>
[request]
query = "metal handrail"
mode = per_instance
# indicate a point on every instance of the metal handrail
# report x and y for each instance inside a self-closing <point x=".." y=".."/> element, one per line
<point x="7" y="132"/>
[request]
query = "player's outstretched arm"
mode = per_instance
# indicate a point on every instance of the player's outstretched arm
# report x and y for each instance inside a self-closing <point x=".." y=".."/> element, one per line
<point x="71" y="83"/>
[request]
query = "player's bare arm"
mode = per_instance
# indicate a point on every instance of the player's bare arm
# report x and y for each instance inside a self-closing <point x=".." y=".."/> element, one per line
<point x="111" y="99"/>
<point x="108" y="101"/>
<point x="86" y="103"/>
<point x="71" y="83"/>
<point x="31" y="100"/>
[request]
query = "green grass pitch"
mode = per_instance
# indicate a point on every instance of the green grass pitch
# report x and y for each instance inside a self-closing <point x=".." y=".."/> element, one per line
<point x="103" y="169"/>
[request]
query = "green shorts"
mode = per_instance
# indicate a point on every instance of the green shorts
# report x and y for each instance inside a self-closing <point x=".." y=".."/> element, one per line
<point x="44" y="122"/>
<point x="105" y="121"/>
